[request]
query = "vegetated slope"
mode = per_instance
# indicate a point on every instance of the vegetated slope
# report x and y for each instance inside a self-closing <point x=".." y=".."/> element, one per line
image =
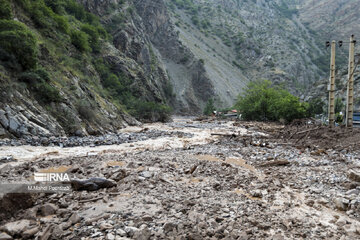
<point x="149" y="38"/>
<point x="263" y="39"/>
<point x="64" y="70"/>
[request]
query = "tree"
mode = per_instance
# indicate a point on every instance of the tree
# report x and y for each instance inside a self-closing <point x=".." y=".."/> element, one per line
<point x="263" y="102"/>
<point x="316" y="106"/>
<point x="209" y="108"/>
<point x="339" y="105"/>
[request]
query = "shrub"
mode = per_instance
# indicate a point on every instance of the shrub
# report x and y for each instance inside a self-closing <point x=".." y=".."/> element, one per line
<point x="85" y="110"/>
<point x="150" y="111"/>
<point x="5" y="9"/>
<point x="37" y="81"/>
<point x="46" y="93"/>
<point x="93" y="34"/>
<point x="315" y="107"/>
<point x="113" y="84"/>
<point x="339" y="105"/>
<point x="75" y="9"/>
<point x="31" y="78"/>
<point x="62" y="23"/>
<point x="43" y="74"/>
<point x="80" y="40"/>
<point x="58" y="6"/>
<point x="261" y="101"/>
<point x="209" y="108"/>
<point x="41" y="14"/>
<point x="18" y="40"/>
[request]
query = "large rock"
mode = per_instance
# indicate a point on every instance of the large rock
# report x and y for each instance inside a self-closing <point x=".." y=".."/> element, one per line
<point x="5" y="236"/>
<point x="11" y="203"/>
<point x="48" y="209"/>
<point x="16" y="228"/>
<point x="2" y="132"/>
<point x="355" y="176"/>
<point x="3" y="119"/>
<point x="92" y="184"/>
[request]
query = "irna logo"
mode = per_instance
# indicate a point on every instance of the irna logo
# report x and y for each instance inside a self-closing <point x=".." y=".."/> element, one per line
<point x="51" y="177"/>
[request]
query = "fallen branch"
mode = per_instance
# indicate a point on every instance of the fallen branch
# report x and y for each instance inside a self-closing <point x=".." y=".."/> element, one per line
<point x="224" y="134"/>
<point x="275" y="163"/>
<point x="90" y="200"/>
<point x="309" y="130"/>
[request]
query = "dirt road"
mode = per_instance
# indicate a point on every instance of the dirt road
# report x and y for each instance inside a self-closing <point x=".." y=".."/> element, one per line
<point x="205" y="180"/>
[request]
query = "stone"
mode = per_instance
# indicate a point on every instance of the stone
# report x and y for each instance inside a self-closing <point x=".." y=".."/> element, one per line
<point x="2" y="131"/>
<point x="131" y="231"/>
<point x="16" y="228"/>
<point x="353" y="191"/>
<point x="169" y="227"/>
<point x="31" y="213"/>
<point x="14" y="125"/>
<point x="3" y="119"/>
<point x="11" y="203"/>
<point x="341" y="204"/>
<point x="147" y="218"/>
<point x="146" y="174"/>
<point x="143" y="234"/>
<point x="5" y="236"/>
<point x="30" y="232"/>
<point x="75" y="218"/>
<point x="65" y="225"/>
<point x="110" y="236"/>
<point x="92" y="184"/>
<point x="119" y="175"/>
<point x="256" y="193"/>
<point x="104" y="226"/>
<point x="120" y="232"/>
<point x="355" y="176"/>
<point x="341" y="221"/>
<point x="48" y="209"/>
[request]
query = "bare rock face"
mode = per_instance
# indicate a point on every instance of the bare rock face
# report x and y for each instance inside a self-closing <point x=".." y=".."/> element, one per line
<point x="149" y="51"/>
<point x="180" y="63"/>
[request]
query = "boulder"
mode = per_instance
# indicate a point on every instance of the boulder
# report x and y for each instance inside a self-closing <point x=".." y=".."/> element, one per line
<point x="5" y="236"/>
<point x="92" y="184"/>
<point x="48" y="209"/>
<point x="11" y="203"/>
<point x="355" y="176"/>
<point x="16" y="228"/>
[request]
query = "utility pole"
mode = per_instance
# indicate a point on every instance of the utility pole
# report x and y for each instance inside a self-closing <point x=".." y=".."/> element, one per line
<point x="350" y="86"/>
<point x="332" y="86"/>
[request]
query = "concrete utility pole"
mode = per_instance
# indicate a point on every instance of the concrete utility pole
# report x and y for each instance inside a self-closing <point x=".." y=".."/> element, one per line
<point x="350" y="86"/>
<point x="332" y="86"/>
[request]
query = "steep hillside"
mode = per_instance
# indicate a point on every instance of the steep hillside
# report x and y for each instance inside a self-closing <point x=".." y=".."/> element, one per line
<point x="262" y="39"/>
<point x="333" y="20"/>
<point x="79" y="67"/>
<point x="63" y="70"/>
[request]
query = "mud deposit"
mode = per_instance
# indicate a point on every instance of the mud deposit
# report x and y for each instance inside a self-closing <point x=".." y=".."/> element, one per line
<point x="207" y="180"/>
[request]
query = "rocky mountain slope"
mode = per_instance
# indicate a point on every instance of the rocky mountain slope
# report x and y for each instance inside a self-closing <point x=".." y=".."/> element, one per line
<point x="92" y="66"/>
<point x="88" y="76"/>
<point x="255" y="39"/>
<point x="335" y="20"/>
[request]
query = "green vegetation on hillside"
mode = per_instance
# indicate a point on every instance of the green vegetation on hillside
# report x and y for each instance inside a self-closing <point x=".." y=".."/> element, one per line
<point x="18" y="42"/>
<point x="59" y="37"/>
